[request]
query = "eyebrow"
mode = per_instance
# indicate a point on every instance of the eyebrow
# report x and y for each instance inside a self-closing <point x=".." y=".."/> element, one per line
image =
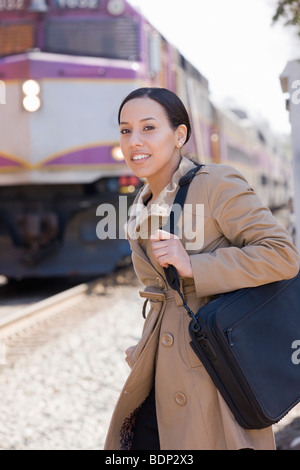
<point x="142" y="120"/>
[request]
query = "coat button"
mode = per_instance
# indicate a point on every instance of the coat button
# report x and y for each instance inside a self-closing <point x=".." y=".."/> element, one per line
<point x="167" y="340"/>
<point x="180" y="398"/>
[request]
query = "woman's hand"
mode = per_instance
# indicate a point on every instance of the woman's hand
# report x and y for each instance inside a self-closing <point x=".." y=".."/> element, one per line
<point x="128" y="354"/>
<point x="168" y="249"/>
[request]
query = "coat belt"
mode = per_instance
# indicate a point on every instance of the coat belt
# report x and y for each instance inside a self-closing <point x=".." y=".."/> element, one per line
<point x="153" y="294"/>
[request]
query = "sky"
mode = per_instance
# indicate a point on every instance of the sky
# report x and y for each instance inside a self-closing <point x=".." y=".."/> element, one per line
<point x="235" y="46"/>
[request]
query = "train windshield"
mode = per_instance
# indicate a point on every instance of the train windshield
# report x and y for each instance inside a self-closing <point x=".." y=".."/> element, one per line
<point x="114" y="38"/>
<point x="16" y="38"/>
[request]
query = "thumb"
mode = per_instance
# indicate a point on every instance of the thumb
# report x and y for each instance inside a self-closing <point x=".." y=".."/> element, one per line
<point x="161" y="235"/>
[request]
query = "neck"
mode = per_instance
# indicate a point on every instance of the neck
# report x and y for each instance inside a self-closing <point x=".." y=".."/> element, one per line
<point x="160" y="181"/>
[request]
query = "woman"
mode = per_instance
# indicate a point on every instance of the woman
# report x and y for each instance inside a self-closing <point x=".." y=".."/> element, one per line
<point x="169" y="401"/>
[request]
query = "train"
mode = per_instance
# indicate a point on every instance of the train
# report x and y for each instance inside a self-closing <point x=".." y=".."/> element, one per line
<point x="65" y="66"/>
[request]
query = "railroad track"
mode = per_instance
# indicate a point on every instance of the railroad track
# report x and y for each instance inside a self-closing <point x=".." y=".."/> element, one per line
<point x="26" y="317"/>
<point x="24" y="329"/>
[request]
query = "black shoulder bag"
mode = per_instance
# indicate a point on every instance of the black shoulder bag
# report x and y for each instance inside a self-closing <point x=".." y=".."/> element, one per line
<point x="249" y="342"/>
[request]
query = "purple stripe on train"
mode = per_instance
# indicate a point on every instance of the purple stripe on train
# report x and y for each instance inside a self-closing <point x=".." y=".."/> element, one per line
<point x="88" y="156"/>
<point x="6" y="162"/>
<point x="41" y="65"/>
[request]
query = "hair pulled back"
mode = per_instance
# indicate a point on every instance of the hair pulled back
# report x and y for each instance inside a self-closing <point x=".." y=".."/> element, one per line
<point x="172" y="104"/>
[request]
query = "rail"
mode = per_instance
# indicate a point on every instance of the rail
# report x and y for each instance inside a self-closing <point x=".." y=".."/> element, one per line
<point x="28" y="315"/>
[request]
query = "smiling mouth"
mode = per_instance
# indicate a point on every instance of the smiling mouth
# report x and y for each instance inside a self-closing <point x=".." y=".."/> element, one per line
<point x="140" y="157"/>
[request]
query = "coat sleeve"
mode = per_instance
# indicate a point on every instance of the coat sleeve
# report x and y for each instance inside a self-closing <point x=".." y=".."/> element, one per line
<point x="260" y="249"/>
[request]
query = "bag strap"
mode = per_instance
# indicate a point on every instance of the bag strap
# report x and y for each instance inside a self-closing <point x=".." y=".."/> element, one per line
<point x="171" y="272"/>
<point x="184" y="184"/>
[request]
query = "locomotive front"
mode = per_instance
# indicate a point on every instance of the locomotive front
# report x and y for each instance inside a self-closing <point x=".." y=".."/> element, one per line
<point x="65" y="66"/>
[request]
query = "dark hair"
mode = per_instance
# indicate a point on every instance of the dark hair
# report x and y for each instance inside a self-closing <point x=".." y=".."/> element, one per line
<point x="175" y="109"/>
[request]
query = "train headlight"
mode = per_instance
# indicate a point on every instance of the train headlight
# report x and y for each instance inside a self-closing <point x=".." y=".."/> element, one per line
<point x="117" y="154"/>
<point x="214" y="138"/>
<point x="31" y="101"/>
<point x="116" y="7"/>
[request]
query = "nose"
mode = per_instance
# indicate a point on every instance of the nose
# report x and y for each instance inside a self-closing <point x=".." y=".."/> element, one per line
<point x="135" y="139"/>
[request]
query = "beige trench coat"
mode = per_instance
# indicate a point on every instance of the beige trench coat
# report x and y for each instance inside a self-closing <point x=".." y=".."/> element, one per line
<point x="243" y="246"/>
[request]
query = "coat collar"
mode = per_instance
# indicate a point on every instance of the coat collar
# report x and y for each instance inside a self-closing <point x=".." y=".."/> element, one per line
<point x="138" y="225"/>
<point x="144" y="220"/>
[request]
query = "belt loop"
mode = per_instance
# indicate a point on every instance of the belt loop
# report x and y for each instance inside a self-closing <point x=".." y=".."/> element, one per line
<point x="153" y="295"/>
<point x="178" y="300"/>
<point x="144" y="308"/>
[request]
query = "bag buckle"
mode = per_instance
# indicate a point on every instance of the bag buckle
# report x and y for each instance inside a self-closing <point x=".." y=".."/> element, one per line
<point x="186" y="179"/>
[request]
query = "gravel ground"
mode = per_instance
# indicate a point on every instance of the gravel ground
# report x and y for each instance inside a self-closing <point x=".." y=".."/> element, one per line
<point x="60" y="394"/>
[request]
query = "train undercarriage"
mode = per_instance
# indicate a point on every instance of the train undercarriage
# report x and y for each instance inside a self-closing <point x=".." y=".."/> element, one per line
<point x="50" y="230"/>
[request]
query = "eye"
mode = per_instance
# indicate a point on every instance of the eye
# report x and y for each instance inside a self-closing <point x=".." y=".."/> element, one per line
<point x="124" y="131"/>
<point x="149" y="127"/>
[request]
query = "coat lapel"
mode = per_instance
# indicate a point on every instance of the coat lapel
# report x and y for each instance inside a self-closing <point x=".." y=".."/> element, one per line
<point x="145" y="220"/>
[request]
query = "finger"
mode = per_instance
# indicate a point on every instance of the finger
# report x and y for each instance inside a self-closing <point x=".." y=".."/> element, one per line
<point x="164" y="235"/>
<point x="159" y="245"/>
<point x="159" y="252"/>
<point x="163" y="261"/>
<point x="161" y="235"/>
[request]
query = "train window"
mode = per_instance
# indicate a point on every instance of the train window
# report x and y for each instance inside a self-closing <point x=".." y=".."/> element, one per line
<point x="16" y="38"/>
<point x="261" y="137"/>
<point x="115" y="38"/>
<point x="264" y="180"/>
<point x="237" y="155"/>
<point x="154" y="50"/>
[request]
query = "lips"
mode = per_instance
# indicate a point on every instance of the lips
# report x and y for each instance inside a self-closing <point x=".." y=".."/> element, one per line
<point x="140" y="157"/>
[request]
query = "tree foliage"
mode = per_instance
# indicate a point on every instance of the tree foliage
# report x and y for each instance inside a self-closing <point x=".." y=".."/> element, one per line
<point x="288" y="10"/>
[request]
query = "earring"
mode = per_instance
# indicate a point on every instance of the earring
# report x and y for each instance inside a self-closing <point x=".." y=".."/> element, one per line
<point x="179" y="144"/>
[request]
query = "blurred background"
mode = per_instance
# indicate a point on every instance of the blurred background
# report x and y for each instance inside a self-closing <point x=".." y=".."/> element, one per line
<point x="237" y="46"/>
<point x="65" y="67"/>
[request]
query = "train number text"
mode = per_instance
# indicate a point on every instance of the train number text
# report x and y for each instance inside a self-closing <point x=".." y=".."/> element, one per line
<point x="8" y="5"/>
<point x="91" y="4"/>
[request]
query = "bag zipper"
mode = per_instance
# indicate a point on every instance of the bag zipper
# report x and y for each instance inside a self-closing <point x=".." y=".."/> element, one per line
<point x="228" y="333"/>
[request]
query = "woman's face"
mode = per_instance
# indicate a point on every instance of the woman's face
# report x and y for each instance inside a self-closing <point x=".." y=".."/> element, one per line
<point x="150" y="146"/>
